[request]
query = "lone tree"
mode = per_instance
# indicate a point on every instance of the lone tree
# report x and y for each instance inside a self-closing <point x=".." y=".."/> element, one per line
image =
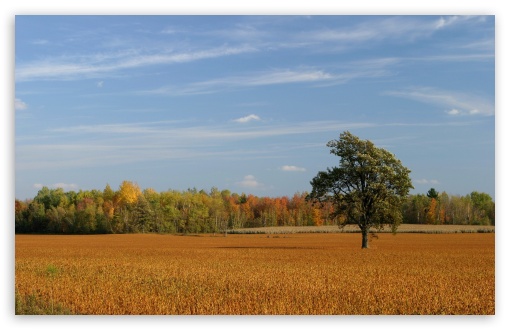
<point x="367" y="188"/>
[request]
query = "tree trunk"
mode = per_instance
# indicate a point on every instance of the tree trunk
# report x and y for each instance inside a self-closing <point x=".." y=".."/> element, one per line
<point x="364" y="238"/>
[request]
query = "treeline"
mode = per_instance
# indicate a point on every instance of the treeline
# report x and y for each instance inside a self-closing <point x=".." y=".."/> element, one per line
<point x="434" y="208"/>
<point x="131" y="210"/>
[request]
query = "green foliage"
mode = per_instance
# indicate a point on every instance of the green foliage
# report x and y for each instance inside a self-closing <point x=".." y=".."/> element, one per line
<point x="432" y="193"/>
<point x="52" y="271"/>
<point x="368" y="187"/>
<point x="35" y="305"/>
<point x="473" y="209"/>
<point x="192" y="211"/>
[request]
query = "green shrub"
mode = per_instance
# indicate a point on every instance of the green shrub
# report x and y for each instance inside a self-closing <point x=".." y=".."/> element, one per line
<point x="34" y="305"/>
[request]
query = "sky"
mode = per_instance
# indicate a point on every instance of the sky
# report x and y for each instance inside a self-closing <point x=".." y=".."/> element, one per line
<point x="248" y="102"/>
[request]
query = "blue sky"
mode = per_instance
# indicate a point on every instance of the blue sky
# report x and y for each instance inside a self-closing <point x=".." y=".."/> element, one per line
<point x="248" y="103"/>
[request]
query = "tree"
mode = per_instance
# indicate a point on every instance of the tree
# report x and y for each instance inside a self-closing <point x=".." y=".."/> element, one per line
<point x="415" y="209"/>
<point x="129" y="192"/>
<point x="431" y="212"/>
<point x="483" y="208"/>
<point x="368" y="187"/>
<point x="432" y="193"/>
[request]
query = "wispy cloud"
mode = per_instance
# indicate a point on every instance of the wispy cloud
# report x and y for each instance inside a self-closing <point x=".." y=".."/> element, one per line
<point x="444" y="22"/>
<point x="480" y="45"/>
<point x="240" y="31"/>
<point x="246" y="119"/>
<point x="64" y="186"/>
<point x="402" y="28"/>
<point x="73" y="67"/>
<point x="274" y="77"/>
<point x="122" y="143"/>
<point x="281" y="77"/>
<point x="115" y="144"/>
<point x="319" y="78"/>
<point x="20" y="105"/>
<point x="453" y="103"/>
<point x="111" y="129"/>
<point x="239" y="38"/>
<point x="388" y="62"/>
<point x="292" y="168"/>
<point x="426" y="181"/>
<point x="169" y="130"/>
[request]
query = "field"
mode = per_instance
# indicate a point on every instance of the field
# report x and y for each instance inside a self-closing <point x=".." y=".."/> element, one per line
<point x="295" y="273"/>
<point x="403" y="228"/>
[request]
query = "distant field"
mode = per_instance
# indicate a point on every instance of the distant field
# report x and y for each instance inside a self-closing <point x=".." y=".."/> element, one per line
<point x="295" y="273"/>
<point x="404" y="228"/>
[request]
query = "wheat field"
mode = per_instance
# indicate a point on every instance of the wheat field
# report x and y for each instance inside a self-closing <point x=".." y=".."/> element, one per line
<point x="259" y="274"/>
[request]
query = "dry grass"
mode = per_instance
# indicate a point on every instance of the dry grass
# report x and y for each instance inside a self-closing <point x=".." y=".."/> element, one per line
<point x="259" y="274"/>
<point x="404" y="228"/>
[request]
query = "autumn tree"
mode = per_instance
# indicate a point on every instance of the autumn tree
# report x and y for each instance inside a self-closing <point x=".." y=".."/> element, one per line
<point x="130" y="210"/>
<point x="20" y="210"/>
<point x="317" y="217"/>
<point x="432" y="208"/>
<point x="127" y="197"/>
<point x="368" y="187"/>
<point x="129" y="192"/>
<point x="431" y="212"/>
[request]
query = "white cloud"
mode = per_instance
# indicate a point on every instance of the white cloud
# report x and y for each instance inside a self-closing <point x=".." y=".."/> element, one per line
<point x="79" y="66"/>
<point x="20" y="105"/>
<point x="274" y="77"/>
<point x="442" y="22"/>
<point x="127" y="143"/>
<point x="249" y="181"/>
<point x="100" y="84"/>
<point x="169" y="130"/>
<point x="451" y="20"/>
<point x="426" y="181"/>
<point x="401" y="27"/>
<point x="292" y="168"/>
<point x="459" y="103"/>
<point x="164" y="140"/>
<point x="286" y="76"/>
<point x="247" y="118"/>
<point x="65" y="186"/>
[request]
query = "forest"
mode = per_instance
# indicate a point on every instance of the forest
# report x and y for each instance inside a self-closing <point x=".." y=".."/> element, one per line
<point x="133" y="210"/>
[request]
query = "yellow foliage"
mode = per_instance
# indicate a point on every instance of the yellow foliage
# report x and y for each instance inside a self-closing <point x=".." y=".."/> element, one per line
<point x="317" y="217"/>
<point x="129" y="192"/>
<point x="431" y="213"/>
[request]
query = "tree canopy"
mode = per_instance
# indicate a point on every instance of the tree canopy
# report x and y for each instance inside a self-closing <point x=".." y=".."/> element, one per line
<point x="368" y="187"/>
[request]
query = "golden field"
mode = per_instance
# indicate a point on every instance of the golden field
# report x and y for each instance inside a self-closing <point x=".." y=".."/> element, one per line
<point x="302" y="273"/>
